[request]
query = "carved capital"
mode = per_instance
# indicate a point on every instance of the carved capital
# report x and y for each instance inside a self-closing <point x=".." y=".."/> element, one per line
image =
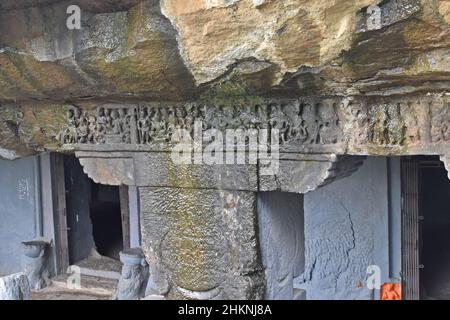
<point x="110" y="169"/>
<point x="305" y="173"/>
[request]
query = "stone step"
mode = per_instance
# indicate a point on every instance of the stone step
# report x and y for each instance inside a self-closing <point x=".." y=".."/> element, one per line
<point x="90" y="288"/>
<point x="98" y="266"/>
<point x="93" y="284"/>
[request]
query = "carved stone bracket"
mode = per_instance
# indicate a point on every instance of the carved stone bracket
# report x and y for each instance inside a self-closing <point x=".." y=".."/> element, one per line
<point x="304" y="173"/>
<point x="446" y="160"/>
<point x="298" y="173"/>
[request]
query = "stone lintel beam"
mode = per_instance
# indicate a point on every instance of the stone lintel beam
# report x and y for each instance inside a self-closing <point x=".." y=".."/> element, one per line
<point x="297" y="173"/>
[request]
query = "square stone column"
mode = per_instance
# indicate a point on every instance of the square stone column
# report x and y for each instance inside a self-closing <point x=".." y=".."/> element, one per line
<point x="282" y="241"/>
<point x="201" y="243"/>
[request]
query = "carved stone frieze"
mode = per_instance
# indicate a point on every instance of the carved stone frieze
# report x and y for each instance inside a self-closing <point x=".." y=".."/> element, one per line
<point x="318" y="139"/>
<point x="339" y="125"/>
<point x="155" y="126"/>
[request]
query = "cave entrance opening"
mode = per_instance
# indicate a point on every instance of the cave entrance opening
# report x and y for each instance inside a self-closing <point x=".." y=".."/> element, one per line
<point x="425" y="229"/>
<point x="98" y="221"/>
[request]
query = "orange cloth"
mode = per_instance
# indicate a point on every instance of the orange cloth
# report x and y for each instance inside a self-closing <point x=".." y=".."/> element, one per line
<point x="391" y="291"/>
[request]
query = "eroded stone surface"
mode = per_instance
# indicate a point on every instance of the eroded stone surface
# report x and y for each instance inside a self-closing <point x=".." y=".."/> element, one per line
<point x="175" y="50"/>
<point x="125" y="53"/>
<point x="204" y="242"/>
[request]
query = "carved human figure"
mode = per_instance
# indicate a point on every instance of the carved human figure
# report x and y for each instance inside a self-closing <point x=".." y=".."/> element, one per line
<point x="248" y="117"/>
<point x="163" y="133"/>
<point x="124" y="125"/>
<point x="440" y="130"/>
<point x="126" y="135"/>
<point x="77" y="115"/>
<point x="190" y="118"/>
<point x="212" y="118"/>
<point x="411" y="123"/>
<point x="100" y="126"/>
<point x="92" y="129"/>
<point x="379" y="134"/>
<point x="156" y="130"/>
<point x="311" y="123"/>
<point x="180" y="115"/>
<point x="226" y="117"/>
<point x="108" y="121"/>
<point x="69" y="133"/>
<point x="279" y="121"/>
<point x="329" y="132"/>
<point x="143" y="126"/>
<point x="82" y="130"/>
<point x="396" y="125"/>
<point x="116" y="124"/>
<point x="261" y="117"/>
<point x="356" y="124"/>
<point x="172" y="123"/>
<point x="296" y="130"/>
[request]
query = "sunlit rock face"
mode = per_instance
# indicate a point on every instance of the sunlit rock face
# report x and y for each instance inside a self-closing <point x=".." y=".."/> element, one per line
<point x="214" y="35"/>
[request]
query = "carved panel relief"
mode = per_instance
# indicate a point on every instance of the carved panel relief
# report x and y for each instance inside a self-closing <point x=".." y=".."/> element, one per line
<point x="370" y="125"/>
<point x="314" y="123"/>
<point x="440" y="121"/>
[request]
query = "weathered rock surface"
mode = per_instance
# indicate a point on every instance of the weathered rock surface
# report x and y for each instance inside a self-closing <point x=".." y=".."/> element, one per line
<point x="15" y="287"/>
<point x="202" y="242"/>
<point x="176" y="49"/>
<point x="119" y="53"/>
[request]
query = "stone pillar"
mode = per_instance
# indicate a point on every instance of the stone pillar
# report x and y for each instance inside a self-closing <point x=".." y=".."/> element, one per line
<point x="201" y="243"/>
<point x="282" y="239"/>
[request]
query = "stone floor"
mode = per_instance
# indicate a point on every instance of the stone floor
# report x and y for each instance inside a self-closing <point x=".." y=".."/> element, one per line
<point x="91" y="288"/>
<point x="98" y="281"/>
<point x="100" y="266"/>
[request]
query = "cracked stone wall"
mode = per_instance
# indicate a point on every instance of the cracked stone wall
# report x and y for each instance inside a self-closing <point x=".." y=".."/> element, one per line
<point x="347" y="230"/>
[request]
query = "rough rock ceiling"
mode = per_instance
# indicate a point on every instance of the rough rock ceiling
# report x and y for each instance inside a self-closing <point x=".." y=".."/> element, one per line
<point x="183" y="50"/>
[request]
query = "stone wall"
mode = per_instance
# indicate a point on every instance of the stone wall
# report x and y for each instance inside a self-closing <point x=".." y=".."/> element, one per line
<point x="19" y="210"/>
<point x="347" y="230"/>
<point x="281" y="234"/>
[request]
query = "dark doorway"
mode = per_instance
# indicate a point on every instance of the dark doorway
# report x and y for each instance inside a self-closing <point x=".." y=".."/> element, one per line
<point x="434" y="208"/>
<point x="106" y="220"/>
<point x="94" y="217"/>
